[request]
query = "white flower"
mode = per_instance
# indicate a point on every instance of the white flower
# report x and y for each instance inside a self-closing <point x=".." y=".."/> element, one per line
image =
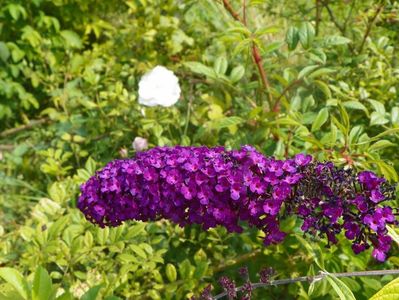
<point x="159" y="87"/>
<point x="139" y="144"/>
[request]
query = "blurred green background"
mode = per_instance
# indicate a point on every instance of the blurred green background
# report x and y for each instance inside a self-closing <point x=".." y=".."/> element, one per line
<point x="69" y="73"/>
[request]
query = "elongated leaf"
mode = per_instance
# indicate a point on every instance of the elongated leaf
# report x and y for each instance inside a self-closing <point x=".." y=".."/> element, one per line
<point x="220" y="65"/>
<point x="342" y="290"/>
<point x="320" y="72"/>
<point x="388" y="292"/>
<point x="228" y="121"/>
<point x="377" y="118"/>
<point x="393" y="234"/>
<point x="307" y="70"/>
<point x="356" y="105"/>
<point x="7" y="292"/>
<point x="4" y="52"/>
<point x="292" y="38"/>
<point x="171" y="272"/>
<point x="200" y="68"/>
<point x="15" y="278"/>
<point x="395" y="115"/>
<point x="336" y="40"/>
<point x="306" y="34"/>
<point x="321" y="118"/>
<point x="42" y="285"/>
<point x="324" y="88"/>
<point x="139" y="251"/>
<point x="378" y="136"/>
<point x="380" y="145"/>
<point x="237" y="73"/>
<point x="92" y="293"/>
<point x="72" y="39"/>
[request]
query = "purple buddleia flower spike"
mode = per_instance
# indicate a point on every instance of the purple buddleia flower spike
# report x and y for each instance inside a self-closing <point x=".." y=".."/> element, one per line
<point x="213" y="186"/>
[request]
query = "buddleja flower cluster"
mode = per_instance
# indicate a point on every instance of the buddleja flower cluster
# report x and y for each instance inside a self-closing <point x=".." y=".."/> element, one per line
<point x="213" y="186"/>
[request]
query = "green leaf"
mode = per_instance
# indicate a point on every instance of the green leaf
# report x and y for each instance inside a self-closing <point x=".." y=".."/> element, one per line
<point x="227" y="122"/>
<point x="200" y="68"/>
<point x="7" y="292"/>
<point x="171" y="272"/>
<point x="307" y="70"/>
<point x="266" y="30"/>
<point x="320" y="72"/>
<point x="389" y="292"/>
<point x="42" y="285"/>
<point x="272" y="47"/>
<point x="356" y="105"/>
<point x="72" y="39"/>
<point x="378" y="136"/>
<point x="65" y="296"/>
<point x="16" y="11"/>
<point x="13" y="277"/>
<point x="4" y="52"/>
<point x="377" y="118"/>
<point x="220" y="65"/>
<point x="292" y="38"/>
<point x="342" y="290"/>
<point x="286" y="121"/>
<point x="393" y="234"/>
<point x="335" y="40"/>
<point x="200" y="270"/>
<point x="139" y="251"/>
<point x="306" y="34"/>
<point x="380" y="145"/>
<point x="92" y="293"/>
<point x="324" y="88"/>
<point x="317" y="55"/>
<point x="321" y="118"/>
<point x="186" y="270"/>
<point x="395" y="115"/>
<point x="378" y="106"/>
<point x="90" y="165"/>
<point x="240" y="29"/>
<point x="237" y="73"/>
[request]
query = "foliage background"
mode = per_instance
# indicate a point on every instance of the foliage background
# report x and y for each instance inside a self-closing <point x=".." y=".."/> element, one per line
<point x="69" y="71"/>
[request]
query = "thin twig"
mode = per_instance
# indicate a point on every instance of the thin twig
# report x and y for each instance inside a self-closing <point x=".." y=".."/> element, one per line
<point x="189" y="107"/>
<point x="285" y="90"/>
<point x="255" y="51"/>
<point x="311" y="279"/>
<point x="244" y="12"/>
<point x="370" y="25"/>
<point x="349" y="15"/>
<point x="318" y="16"/>
<point x="341" y="28"/>
<point x="6" y="147"/>
<point x="332" y="17"/>
<point x="31" y="124"/>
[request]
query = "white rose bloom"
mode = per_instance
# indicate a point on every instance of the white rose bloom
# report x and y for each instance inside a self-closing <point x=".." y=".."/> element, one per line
<point x="159" y="87"/>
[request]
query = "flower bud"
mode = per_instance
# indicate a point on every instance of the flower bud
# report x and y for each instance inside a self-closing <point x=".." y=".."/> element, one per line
<point x="139" y="144"/>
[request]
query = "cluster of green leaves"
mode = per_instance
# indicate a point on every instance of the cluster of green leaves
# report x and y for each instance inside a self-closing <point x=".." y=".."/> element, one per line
<point x="69" y="71"/>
